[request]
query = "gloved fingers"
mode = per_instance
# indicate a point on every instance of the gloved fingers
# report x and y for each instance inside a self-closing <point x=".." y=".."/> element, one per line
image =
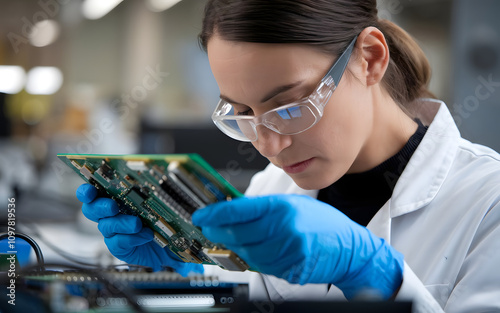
<point x="100" y="208"/>
<point x="241" y="210"/>
<point x="267" y="227"/>
<point x="172" y="255"/>
<point x="123" y="244"/>
<point x="119" y="224"/>
<point x="186" y="268"/>
<point x="86" y="193"/>
<point x="165" y="257"/>
<point x="272" y="253"/>
<point x="181" y="267"/>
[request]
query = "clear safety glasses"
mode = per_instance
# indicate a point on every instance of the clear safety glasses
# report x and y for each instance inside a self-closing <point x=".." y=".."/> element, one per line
<point x="290" y="119"/>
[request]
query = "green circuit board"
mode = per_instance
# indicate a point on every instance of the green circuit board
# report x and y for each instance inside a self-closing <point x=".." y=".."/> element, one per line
<point x="164" y="191"/>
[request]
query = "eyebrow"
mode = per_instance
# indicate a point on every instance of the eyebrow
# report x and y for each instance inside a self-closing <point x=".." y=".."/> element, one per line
<point x="270" y="95"/>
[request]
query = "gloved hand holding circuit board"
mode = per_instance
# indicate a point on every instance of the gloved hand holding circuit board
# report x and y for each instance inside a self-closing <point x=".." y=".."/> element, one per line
<point x="163" y="191"/>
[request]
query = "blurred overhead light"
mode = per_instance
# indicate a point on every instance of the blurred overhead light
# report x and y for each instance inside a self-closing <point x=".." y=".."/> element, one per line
<point x="44" y="80"/>
<point x="95" y="9"/>
<point x="44" y="33"/>
<point x="161" y="5"/>
<point x="12" y="79"/>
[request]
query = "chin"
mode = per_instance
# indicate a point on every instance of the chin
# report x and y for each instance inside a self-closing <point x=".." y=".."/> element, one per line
<point x="310" y="183"/>
<point x="315" y="180"/>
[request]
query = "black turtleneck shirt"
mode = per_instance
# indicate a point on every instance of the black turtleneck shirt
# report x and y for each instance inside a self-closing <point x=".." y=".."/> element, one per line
<point x="361" y="195"/>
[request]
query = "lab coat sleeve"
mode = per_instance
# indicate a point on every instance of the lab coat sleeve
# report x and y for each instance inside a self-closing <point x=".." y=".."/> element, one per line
<point x="477" y="287"/>
<point x="413" y="290"/>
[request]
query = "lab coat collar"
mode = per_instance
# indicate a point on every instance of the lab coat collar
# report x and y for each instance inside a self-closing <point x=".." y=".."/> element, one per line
<point x="429" y="166"/>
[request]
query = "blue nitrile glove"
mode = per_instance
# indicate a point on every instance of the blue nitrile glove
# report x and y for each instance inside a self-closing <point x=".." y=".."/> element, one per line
<point x="303" y="240"/>
<point x="125" y="237"/>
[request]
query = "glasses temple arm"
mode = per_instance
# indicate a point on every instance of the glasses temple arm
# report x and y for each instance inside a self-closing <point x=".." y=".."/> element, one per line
<point x="340" y="65"/>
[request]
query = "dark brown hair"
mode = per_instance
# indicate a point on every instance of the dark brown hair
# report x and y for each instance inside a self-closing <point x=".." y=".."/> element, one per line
<point x="327" y="24"/>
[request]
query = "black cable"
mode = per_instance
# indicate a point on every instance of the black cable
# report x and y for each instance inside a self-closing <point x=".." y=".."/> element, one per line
<point x="68" y="256"/>
<point x="40" y="269"/>
<point x="32" y="243"/>
<point x="75" y="258"/>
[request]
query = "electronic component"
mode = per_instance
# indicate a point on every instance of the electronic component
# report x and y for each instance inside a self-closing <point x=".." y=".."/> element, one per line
<point x="194" y="184"/>
<point x="86" y="171"/>
<point x="162" y="242"/>
<point x="167" y="229"/>
<point x="136" y="196"/>
<point x="137" y="165"/>
<point x="105" y="171"/>
<point x="226" y="259"/>
<point x="76" y="164"/>
<point x="164" y="191"/>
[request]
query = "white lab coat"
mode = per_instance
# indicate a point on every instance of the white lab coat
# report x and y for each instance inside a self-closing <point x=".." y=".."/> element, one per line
<point x="444" y="216"/>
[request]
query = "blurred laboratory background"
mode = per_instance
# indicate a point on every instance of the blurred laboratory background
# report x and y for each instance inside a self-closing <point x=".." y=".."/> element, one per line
<point x="123" y="77"/>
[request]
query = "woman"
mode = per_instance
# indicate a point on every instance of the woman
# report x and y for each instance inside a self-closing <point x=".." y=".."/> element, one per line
<point x="354" y="144"/>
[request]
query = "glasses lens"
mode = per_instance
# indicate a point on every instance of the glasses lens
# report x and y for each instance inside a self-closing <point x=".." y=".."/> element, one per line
<point x="287" y="120"/>
<point x="242" y="130"/>
<point x="290" y="120"/>
<point x="236" y="127"/>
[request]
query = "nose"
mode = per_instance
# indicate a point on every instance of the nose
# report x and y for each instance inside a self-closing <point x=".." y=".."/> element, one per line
<point x="270" y="143"/>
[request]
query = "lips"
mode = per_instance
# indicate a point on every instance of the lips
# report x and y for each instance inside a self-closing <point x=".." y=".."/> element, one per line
<point x="298" y="167"/>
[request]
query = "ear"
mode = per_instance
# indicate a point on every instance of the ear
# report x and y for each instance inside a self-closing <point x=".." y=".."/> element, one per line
<point x="374" y="57"/>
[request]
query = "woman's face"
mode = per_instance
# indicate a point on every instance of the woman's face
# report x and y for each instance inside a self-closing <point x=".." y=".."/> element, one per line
<point x="248" y="72"/>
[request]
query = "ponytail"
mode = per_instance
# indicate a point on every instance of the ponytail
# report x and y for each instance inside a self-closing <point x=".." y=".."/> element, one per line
<point x="409" y="73"/>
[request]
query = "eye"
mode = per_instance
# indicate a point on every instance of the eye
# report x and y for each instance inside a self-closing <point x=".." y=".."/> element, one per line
<point x="244" y="113"/>
<point x="290" y="100"/>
